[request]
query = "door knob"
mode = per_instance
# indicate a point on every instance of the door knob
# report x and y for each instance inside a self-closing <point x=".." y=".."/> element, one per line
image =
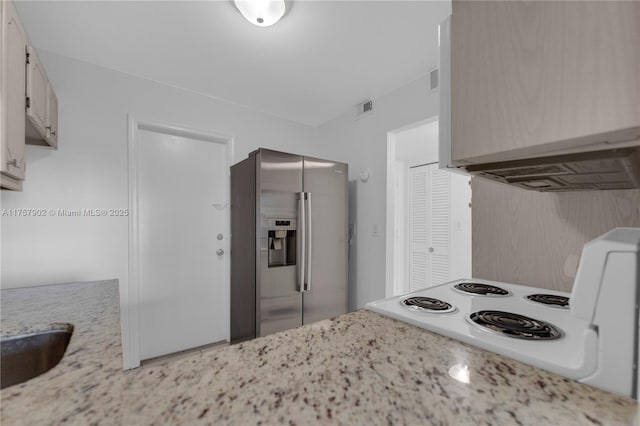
<point x="220" y="252"/>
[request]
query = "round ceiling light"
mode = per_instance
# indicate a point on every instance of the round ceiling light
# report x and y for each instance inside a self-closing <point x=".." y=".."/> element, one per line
<point x="262" y="13"/>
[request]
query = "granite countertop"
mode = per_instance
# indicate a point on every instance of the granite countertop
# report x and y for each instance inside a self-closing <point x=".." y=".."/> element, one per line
<point x="359" y="368"/>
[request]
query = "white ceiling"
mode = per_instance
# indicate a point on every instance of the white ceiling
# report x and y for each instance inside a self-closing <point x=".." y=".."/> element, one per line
<point x="320" y="60"/>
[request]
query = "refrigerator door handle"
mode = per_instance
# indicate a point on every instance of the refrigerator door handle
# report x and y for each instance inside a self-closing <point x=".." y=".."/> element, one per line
<point x="309" y="242"/>
<point x="302" y="248"/>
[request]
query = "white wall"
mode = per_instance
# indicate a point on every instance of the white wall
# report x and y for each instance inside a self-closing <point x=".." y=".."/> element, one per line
<point x="89" y="170"/>
<point x="460" y="223"/>
<point x="363" y="144"/>
<point x="419" y="144"/>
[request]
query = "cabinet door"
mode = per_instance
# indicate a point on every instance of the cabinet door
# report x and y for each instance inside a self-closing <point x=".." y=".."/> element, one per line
<point x="536" y="77"/>
<point x="13" y="55"/>
<point x="52" y="117"/>
<point x="37" y="94"/>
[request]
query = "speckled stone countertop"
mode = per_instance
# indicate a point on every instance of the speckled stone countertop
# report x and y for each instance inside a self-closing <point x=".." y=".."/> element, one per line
<point x="360" y="368"/>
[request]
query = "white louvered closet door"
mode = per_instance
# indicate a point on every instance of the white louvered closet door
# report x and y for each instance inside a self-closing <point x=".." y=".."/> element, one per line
<point x="439" y="182"/>
<point x="418" y="270"/>
<point x="429" y="229"/>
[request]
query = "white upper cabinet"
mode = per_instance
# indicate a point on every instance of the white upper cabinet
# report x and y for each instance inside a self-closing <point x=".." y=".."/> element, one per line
<point x="12" y="99"/>
<point x="52" y="117"/>
<point x="36" y="96"/>
<point x="28" y="103"/>
<point x="540" y="78"/>
<point x="42" y="104"/>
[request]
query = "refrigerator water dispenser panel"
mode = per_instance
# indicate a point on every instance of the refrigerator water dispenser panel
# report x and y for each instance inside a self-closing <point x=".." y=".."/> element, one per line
<point x="282" y="242"/>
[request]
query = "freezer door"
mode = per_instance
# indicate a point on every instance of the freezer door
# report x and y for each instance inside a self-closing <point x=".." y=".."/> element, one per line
<point x="325" y="183"/>
<point x="279" y="300"/>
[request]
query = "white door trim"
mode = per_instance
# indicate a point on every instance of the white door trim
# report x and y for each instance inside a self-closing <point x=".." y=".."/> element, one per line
<point x="391" y="288"/>
<point x="129" y="298"/>
<point x="390" y="225"/>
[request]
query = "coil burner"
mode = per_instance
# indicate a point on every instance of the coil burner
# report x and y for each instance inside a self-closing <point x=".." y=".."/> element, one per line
<point x="514" y="325"/>
<point x="427" y="304"/>
<point x="481" y="289"/>
<point x="550" y="300"/>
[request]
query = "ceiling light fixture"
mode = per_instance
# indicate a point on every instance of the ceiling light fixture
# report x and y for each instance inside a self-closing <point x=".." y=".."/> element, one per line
<point x="262" y="13"/>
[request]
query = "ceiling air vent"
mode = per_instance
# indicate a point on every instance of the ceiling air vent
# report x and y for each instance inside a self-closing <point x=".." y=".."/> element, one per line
<point x="364" y="108"/>
<point x="433" y="79"/>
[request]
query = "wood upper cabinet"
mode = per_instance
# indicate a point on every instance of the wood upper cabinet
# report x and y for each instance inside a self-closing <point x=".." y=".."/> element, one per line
<point x="12" y="99"/>
<point x="534" y="78"/>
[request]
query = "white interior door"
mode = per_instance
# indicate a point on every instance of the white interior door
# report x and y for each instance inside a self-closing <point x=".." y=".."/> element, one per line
<point x="183" y="285"/>
<point x="429" y="226"/>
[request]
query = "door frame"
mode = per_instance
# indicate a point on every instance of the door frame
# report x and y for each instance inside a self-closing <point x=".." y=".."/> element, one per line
<point x="391" y="287"/>
<point x="129" y="298"/>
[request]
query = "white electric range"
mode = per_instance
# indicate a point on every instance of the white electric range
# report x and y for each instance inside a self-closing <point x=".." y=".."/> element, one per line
<point x="590" y="334"/>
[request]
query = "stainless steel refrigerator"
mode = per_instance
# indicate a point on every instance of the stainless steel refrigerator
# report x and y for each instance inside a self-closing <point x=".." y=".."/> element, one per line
<point x="289" y="242"/>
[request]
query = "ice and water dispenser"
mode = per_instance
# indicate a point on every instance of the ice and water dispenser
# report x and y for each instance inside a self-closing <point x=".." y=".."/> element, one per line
<point x="282" y="242"/>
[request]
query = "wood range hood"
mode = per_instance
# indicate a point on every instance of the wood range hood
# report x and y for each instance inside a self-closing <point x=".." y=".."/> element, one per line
<point x="543" y="96"/>
<point x="616" y="168"/>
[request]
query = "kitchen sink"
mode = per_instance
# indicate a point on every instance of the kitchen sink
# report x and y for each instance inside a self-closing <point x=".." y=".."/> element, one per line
<point x="29" y="355"/>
